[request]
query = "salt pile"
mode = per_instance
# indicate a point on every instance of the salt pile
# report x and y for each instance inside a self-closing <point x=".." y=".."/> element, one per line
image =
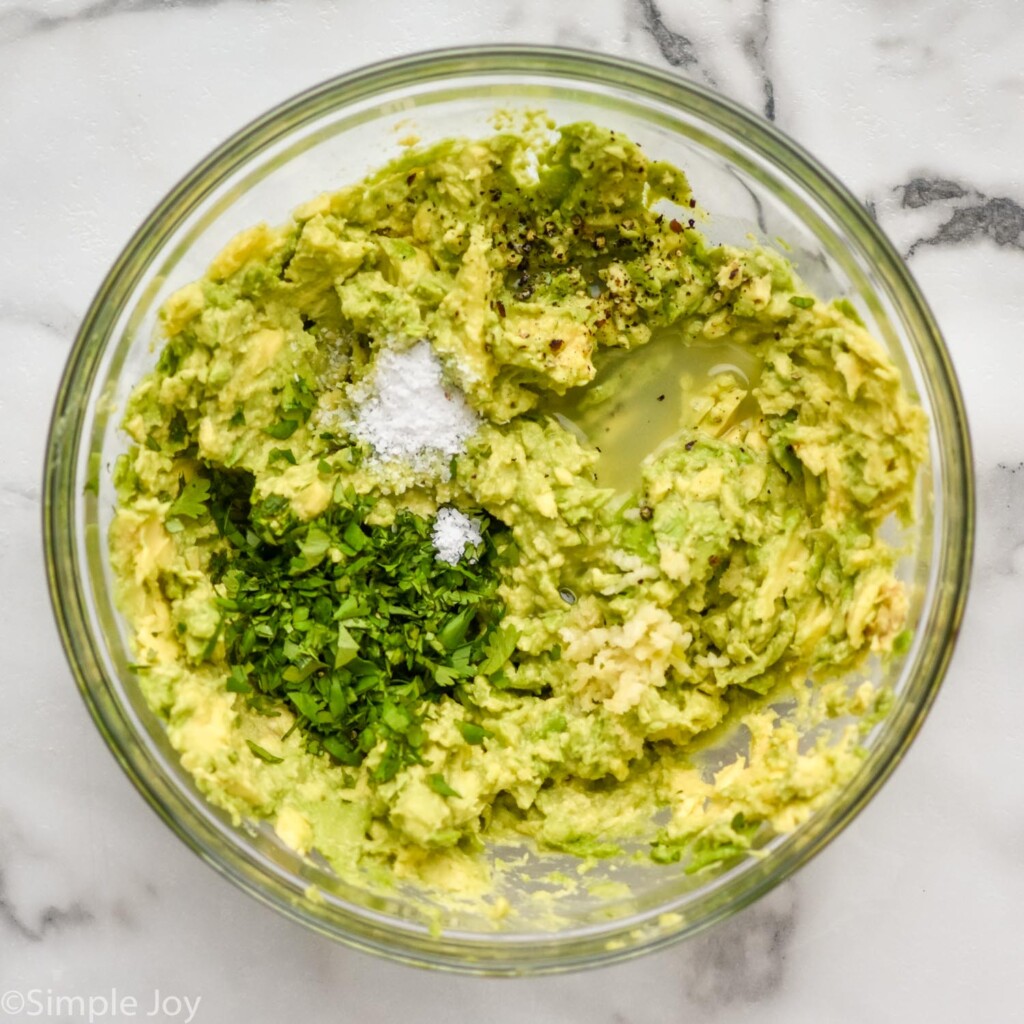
<point x="453" y="531"/>
<point x="409" y="413"/>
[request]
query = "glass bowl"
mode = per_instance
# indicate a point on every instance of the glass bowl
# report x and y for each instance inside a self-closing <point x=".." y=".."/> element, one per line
<point x="753" y="181"/>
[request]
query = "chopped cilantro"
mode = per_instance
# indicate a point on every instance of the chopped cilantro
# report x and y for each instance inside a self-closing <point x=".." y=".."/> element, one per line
<point x="438" y="785"/>
<point x="263" y="755"/>
<point x="283" y="429"/>
<point x="299" y="400"/>
<point x="801" y="301"/>
<point x="499" y="649"/>
<point x="177" y="429"/>
<point x="170" y="358"/>
<point x="473" y="733"/>
<point x="191" y="499"/>
<point x="355" y="627"/>
<point x="281" y="455"/>
<point x="237" y="683"/>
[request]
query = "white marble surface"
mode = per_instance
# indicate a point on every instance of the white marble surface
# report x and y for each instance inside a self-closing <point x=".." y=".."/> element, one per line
<point x="915" y="912"/>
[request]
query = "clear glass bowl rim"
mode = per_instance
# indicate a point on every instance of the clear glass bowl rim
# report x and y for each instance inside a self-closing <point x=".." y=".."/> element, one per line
<point x="491" y="954"/>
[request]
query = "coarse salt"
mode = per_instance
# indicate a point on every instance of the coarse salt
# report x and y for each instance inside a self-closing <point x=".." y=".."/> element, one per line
<point x="452" y="532"/>
<point x="409" y="414"/>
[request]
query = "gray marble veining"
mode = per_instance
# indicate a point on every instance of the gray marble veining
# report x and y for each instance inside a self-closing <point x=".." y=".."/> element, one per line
<point x="952" y="212"/>
<point x="25" y="19"/>
<point x="675" y="48"/>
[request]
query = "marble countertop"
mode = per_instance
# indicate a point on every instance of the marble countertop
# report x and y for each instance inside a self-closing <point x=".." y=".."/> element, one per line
<point x="915" y="912"/>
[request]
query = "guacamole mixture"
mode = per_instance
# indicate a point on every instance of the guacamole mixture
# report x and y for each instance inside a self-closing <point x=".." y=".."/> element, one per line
<point x="484" y="498"/>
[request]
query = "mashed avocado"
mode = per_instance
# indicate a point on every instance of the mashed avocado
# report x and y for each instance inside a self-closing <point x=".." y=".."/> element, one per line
<point x="675" y="463"/>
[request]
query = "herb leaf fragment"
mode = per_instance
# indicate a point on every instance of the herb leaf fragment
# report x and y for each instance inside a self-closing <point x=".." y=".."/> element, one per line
<point x="440" y="786"/>
<point x="192" y="498"/>
<point x="262" y="754"/>
<point x="355" y="627"/>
